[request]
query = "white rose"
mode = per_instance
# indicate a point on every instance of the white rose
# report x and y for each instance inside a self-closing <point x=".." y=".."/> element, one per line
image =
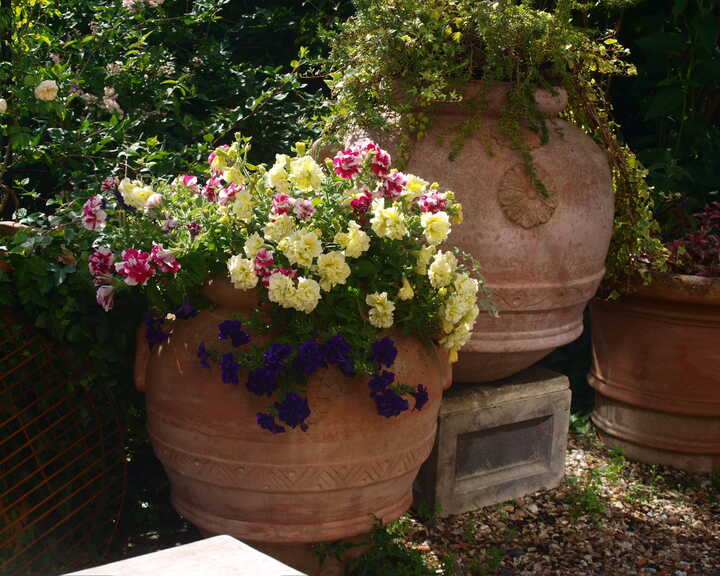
<point x="46" y="91"/>
<point x="3" y="105"/>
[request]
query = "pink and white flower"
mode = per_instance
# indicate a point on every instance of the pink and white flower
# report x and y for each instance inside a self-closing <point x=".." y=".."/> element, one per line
<point x="135" y="267"/>
<point x="393" y="184"/>
<point x="164" y="259"/>
<point x="303" y="208"/>
<point x="93" y="216"/>
<point x="282" y="204"/>
<point x="263" y="263"/>
<point x="380" y="159"/>
<point x="169" y="224"/>
<point x="433" y="202"/>
<point x="227" y="195"/>
<point x="105" y="297"/>
<point x="348" y="163"/>
<point x="153" y="202"/>
<point x="292" y="274"/>
<point x="100" y="264"/>
<point x="361" y="204"/>
<point x="110" y="184"/>
<point x="210" y="190"/>
<point x="188" y="181"/>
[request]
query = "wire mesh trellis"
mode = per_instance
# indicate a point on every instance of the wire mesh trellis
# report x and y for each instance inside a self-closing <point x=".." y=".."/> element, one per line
<point x="62" y="460"/>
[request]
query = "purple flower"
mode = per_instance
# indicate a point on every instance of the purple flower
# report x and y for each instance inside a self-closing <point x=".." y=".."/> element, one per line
<point x="154" y="333"/>
<point x="421" y="397"/>
<point x="203" y="356"/>
<point x="294" y="410"/>
<point x="379" y="382"/>
<point x="390" y="403"/>
<point x="347" y="368"/>
<point x="309" y="357"/>
<point x="276" y="355"/>
<point x="262" y="381"/>
<point x="194" y="228"/>
<point x="230" y="369"/>
<point x="232" y="329"/>
<point x="186" y="311"/>
<point x="337" y="350"/>
<point x="383" y="352"/>
<point x="267" y="421"/>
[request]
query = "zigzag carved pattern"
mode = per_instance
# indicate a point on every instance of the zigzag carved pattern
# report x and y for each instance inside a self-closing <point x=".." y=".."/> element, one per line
<point x="273" y="477"/>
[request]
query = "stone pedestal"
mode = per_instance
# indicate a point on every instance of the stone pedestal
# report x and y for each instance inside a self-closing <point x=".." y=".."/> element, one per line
<point x="497" y="442"/>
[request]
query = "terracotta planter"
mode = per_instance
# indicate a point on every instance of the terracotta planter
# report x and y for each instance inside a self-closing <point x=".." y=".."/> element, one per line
<point x="543" y="258"/>
<point x="656" y="372"/>
<point x="230" y="477"/>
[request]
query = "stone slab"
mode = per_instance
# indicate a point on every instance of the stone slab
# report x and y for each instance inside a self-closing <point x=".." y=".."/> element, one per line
<point x="217" y="556"/>
<point x="497" y="442"/>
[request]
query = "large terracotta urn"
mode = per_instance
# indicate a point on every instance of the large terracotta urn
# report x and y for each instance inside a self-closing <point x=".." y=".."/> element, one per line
<point x="656" y="372"/>
<point x="229" y="476"/>
<point x="542" y="256"/>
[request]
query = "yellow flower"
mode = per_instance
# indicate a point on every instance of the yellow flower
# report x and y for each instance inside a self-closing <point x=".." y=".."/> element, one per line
<point x="406" y="292"/>
<point x="134" y="193"/>
<point x="355" y="241"/>
<point x="414" y="186"/>
<point x="277" y="176"/>
<point x="306" y="296"/>
<point x="387" y="222"/>
<point x="436" y="227"/>
<point x="423" y="259"/>
<point x="301" y="247"/>
<point x="234" y="175"/>
<point x="279" y="227"/>
<point x="243" y="205"/>
<point x="242" y="273"/>
<point x="281" y="290"/>
<point x="253" y="244"/>
<point x="381" y="309"/>
<point x="442" y="269"/>
<point x="457" y="217"/>
<point x="333" y="270"/>
<point x="305" y="173"/>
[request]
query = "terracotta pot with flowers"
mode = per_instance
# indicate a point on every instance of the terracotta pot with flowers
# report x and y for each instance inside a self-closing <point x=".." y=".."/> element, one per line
<point x="502" y="103"/>
<point x="656" y="358"/>
<point x="299" y="404"/>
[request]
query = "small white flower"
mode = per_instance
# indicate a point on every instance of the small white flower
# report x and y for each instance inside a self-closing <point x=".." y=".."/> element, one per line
<point x="3" y="105"/>
<point x="46" y="91"/>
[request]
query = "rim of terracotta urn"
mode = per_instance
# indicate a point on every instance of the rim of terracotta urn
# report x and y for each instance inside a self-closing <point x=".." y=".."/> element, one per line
<point x="686" y="288"/>
<point x="680" y="288"/>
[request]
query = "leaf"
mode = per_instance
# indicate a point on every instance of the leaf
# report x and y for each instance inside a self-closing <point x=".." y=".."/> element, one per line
<point x="666" y="101"/>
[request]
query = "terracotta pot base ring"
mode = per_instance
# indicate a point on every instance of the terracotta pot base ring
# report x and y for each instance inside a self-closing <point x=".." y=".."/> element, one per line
<point x="626" y="427"/>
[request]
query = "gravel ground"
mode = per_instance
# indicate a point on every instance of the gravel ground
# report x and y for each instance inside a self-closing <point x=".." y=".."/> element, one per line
<point x="609" y="516"/>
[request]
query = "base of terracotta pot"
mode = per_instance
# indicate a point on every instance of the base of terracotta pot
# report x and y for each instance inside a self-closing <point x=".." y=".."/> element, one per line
<point x="688" y="442"/>
<point x="290" y="534"/>
<point x="476" y="367"/>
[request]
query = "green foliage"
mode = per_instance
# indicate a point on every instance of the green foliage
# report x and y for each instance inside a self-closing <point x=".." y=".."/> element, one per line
<point x="394" y="60"/>
<point x="386" y="555"/>
<point x="670" y="111"/>
<point x="581" y="425"/>
<point x="492" y="564"/>
<point x="139" y="86"/>
<point x="584" y="495"/>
